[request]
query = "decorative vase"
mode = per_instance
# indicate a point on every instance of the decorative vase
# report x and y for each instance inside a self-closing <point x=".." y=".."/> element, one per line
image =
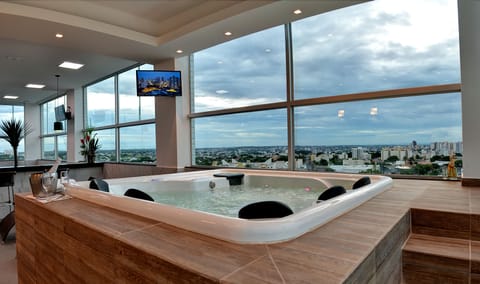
<point x="91" y="158"/>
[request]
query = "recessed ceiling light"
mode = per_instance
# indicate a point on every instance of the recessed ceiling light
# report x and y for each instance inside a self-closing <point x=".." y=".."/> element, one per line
<point x="71" y="65"/>
<point x="268" y="50"/>
<point x="10" y="97"/>
<point x="35" y="86"/>
<point x="228" y="33"/>
<point x="297" y="12"/>
<point x="58" y="35"/>
<point x="179" y="51"/>
<point x="221" y="92"/>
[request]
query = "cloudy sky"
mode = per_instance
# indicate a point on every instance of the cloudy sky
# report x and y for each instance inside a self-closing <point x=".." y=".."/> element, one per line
<point x="379" y="45"/>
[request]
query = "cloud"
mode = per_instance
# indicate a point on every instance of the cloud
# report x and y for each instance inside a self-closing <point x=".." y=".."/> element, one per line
<point x="378" y="45"/>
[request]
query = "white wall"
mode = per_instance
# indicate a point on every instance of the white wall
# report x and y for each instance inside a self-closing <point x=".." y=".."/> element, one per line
<point x="75" y="125"/>
<point x="32" y="141"/>
<point x="469" y="25"/>
<point x="172" y="125"/>
<point x="184" y="139"/>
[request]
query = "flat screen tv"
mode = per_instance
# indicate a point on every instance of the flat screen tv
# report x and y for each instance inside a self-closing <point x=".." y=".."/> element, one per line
<point x="60" y="113"/>
<point x="159" y="83"/>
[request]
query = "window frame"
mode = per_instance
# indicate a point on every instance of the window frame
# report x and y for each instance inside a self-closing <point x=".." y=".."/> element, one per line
<point x="116" y="126"/>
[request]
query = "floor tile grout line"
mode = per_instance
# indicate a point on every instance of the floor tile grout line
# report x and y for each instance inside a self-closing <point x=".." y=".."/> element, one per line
<point x="242" y="267"/>
<point x="275" y="265"/>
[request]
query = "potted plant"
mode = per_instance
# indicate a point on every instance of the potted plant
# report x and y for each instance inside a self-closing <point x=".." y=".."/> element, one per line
<point x="13" y="131"/>
<point x="89" y="145"/>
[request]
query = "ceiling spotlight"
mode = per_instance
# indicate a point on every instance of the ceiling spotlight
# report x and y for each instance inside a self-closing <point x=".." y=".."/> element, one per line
<point x="71" y="65"/>
<point x="179" y="51"/>
<point x="228" y="33"/>
<point x="374" y="111"/>
<point x="35" y="86"/>
<point x="221" y="92"/>
<point x="297" y="12"/>
<point x="58" y="35"/>
<point x="10" y="97"/>
<point x="341" y="113"/>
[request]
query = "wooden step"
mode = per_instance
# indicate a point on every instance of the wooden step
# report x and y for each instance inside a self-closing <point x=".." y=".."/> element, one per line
<point x="430" y="259"/>
<point x="441" y="249"/>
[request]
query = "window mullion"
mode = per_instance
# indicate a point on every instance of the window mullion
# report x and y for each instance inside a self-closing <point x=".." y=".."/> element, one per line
<point x="290" y="97"/>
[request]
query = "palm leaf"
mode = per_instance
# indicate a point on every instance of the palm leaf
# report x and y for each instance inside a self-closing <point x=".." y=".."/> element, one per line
<point x="13" y="131"/>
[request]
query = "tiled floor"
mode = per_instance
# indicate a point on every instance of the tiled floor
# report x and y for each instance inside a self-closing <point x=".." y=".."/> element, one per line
<point x="331" y="254"/>
<point x="8" y="261"/>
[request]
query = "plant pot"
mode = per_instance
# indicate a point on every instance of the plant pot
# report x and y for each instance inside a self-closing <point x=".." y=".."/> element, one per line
<point x="90" y="158"/>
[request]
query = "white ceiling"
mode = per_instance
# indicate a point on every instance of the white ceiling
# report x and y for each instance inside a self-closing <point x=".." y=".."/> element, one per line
<point x="110" y="35"/>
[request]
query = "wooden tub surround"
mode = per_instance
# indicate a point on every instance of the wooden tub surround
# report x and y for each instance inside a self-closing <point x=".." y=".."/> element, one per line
<point x="74" y="241"/>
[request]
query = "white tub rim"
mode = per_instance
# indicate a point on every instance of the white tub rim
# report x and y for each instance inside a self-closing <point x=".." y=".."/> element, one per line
<point x="234" y="229"/>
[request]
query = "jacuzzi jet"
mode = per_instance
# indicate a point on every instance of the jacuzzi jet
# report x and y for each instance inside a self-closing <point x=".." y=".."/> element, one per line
<point x="211" y="184"/>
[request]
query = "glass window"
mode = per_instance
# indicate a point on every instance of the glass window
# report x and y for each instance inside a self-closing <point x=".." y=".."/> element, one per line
<point x="138" y="144"/>
<point x="384" y="136"/>
<point x="101" y="103"/>
<point x="133" y="108"/>
<point x="56" y="142"/>
<point x="107" y="152"/>
<point x="48" y="115"/>
<point x="242" y="72"/>
<point x="48" y="148"/>
<point x="137" y="141"/>
<point x="373" y="46"/>
<point x="252" y="140"/>
<point x="62" y="147"/>
<point x="8" y="112"/>
<point x="19" y="112"/>
<point x="379" y="45"/>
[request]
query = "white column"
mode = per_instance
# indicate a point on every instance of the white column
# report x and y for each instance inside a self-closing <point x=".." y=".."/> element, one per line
<point x="32" y="140"/>
<point x="469" y="24"/>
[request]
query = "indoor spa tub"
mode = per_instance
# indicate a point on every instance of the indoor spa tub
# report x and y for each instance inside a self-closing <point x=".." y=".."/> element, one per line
<point x="207" y="203"/>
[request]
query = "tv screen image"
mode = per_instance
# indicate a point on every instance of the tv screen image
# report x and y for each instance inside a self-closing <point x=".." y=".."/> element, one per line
<point x="159" y="83"/>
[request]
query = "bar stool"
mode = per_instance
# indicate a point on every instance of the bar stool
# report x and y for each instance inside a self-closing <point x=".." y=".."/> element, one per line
<point x="7" y="180"/>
